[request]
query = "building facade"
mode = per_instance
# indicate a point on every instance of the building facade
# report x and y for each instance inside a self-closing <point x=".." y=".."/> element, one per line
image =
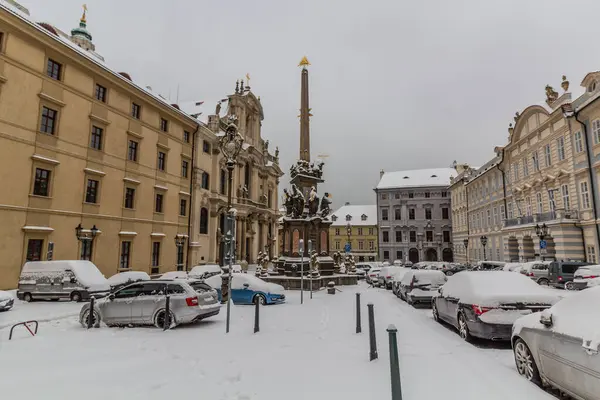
<point x="413" y="212"/>
<point x="357" y="225"/>
<point x="460" y="207"/>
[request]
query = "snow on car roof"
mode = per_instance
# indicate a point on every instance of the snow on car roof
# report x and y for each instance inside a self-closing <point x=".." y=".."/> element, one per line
<point x="201" y="269"/>
<point x="127" y="276"/>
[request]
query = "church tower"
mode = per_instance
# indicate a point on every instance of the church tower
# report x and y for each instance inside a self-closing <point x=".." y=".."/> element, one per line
<point x="81" y="36"/>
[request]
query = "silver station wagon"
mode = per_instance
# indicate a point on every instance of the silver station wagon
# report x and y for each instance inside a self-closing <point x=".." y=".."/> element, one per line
<point x="143" y="303"/>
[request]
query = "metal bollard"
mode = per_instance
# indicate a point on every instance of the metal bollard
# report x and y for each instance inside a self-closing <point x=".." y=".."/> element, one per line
<point x="257" y="316"/>
<point x="167" y="321"/>
<point x="358" y="323"/>
<point x="372" y="342"/>
<point x="394" y="364"/>
<point x="91" y="314"/>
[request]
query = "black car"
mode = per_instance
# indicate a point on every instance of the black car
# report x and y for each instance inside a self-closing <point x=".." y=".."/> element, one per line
<point x="485" y="304"/>
<point x="6" y="301"/>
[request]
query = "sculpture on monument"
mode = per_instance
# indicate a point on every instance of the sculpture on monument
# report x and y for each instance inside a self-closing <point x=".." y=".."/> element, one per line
<point x="297" y="202"/>
<point x="325" y="208"/>
<point x="313" y="202"/>
<point x="288" y="203"/>
<point x="314" y="264"/>
<point x="350" y="264"/>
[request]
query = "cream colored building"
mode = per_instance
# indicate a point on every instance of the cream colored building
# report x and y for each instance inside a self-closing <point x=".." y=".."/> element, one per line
<point x="356" y="224"/>
<point x="460" y="207"/>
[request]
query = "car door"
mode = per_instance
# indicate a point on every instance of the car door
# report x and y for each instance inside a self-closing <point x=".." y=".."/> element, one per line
<point x="146" y="303"/>
<point x="405" y="283"/>
<point x="441" y="305"/>
<point x="117" y="310"/>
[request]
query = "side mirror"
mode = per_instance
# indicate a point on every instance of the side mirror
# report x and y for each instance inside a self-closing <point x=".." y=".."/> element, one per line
<point x="246" y="286"/>
<point x="546" y="319"/>
<point x="111" y="296"/>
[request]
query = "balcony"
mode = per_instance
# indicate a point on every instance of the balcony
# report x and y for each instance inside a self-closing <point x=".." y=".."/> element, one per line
<point x="558" y="215"/>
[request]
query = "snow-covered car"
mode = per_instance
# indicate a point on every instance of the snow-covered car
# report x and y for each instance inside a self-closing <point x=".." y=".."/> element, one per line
<point x="386" y="276"/>
<point x="123" y="279"/>
<point x="249" y="289"/>
<point x="485" y="304"/>
<point x="6" y="301"/>
<point x="584" y="275"/>
<point x="397" y="279"/>
<point x="421" y="285"/>
<point x="172" y="275"/>
<point x="510" y="267"/>
<point x="205" y="271"/>
<point x="560" y="346"/>
<point x="373" y="276"/>
<point x="536" y="271"/>
<point x="144" y="303"/>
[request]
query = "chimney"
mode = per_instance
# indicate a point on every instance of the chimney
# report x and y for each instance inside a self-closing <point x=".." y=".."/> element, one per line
<point x="347" y="203"/>
<point x="381" y="172"/>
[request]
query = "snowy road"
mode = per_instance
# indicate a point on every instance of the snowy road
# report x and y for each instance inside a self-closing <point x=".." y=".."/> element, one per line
<point x="302" y="351"/>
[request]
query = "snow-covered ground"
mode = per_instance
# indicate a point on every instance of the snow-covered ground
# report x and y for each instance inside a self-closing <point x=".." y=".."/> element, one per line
<point x="302" y="351"/>
<point x="41" y="311"/>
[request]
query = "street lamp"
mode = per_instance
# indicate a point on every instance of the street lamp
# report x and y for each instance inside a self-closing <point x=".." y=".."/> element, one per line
<point x="179" y="242"/>
<point x="230" y="145"/>
<point x="541" y="232"/>
<point x="301" y="251"/>
<point x="87" y="240"/>
<point x="349" y="233"/>
<point x="484" y="241"/>
<point x="466" y="243"/>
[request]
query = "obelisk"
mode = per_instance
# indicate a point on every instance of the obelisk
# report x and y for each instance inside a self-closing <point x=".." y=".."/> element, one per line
<point x="304" y="113"/>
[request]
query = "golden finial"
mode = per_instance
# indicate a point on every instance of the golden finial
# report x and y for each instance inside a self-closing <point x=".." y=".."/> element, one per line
<point x="304" y="62"/>
<point x="84" y="12"/>
<point x="248" y="79"/>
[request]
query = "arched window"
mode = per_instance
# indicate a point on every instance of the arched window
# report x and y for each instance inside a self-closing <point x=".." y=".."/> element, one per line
<point x="204" y="221"/>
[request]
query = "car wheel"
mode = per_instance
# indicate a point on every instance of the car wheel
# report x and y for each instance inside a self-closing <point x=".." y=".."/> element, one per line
<point x="159" y="319"/>
<point x="434" y="310"/>
<point x="544" y="282"/>
<point x="570" y="286"/>
<point x="76" y="297"/>
<point x="260" y="299"/>
<point x="27" y="297"/>
<point x="463" y="329"/>
<point x="85" y="319"/>
<point x="525" y="362"/>
<point x="449" y="273"/>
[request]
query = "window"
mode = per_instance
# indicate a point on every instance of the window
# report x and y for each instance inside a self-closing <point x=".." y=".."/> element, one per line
<point x="398" y="236"/>
<point x="34" y="249"/>
<point x="596" y="130"/>
<point x="162" y="160"/>
<point x="86" y="250"/>
<point x="413" y="236"/>
<point x="204" y="221"/>
<point x="444" y="194"/>
<point x="361" y="245"/>
<point x="386" y="236"/>
<point x="130" y="292"/>
<point x="53" y="69"/>
<point x="269" y="198"/>
<point x="516" y="172"/>
<point x="371" y="245"/>
<point x="158" y="203"/>
<point x="446" y="236"/>
<point x="445" y="214"/>
<point x="397" y="213"/>
<point x="132" y="153"/>
<point x="525" y="168"/>
<point x="510" y="210"/>
<point x="184" y="168"/>
<point x="585" y="195"/>
<point x="155" y="254"/>
<point x="223" y="182"/>
<point x="535" y="161"/>
<point x="398" y="254"/>
<point x="41" y="185"/>
<point x="428" y="213"/>
<point x="386" y="255"/>
<point x="205" y="146"/>
<point x="591" y="254"/>
<point x="564" y="189"/>
<point x="205" y="181"/>
<point x="96" y="138"/>
<point x="1" y="41"/>
<point x="495" y="216"/>
<point x="560" y="148"/>
<point x="578" y="142"/>
<point x="429" y="236"/>
<point x="551" y="199"/>
<point x="370" y="231"/>
<point x="359" y="231"/>
<point x="49" y="119"/>
<point x="91" y="193"/>
<point x="129" y="197"/>
<point x="540" y="203"/>
<point x="164" y="125"/>
<point x="384" y="214"/>
<point x="337" y="245"/>
<point x="591" y="87"/>
<point x="135" y="110"/>
<point x="186" y="136"/>
<point x="125" y="255"/>
<point x="427" y="195"/>
<point x="489" y="218"/>
<point x="528" y="206"/>
<point x="337" y="231"/>
<point x="397" y="196"/>
<point x="411" y="213"/>
<point x="548" y="155"/>
<point x="182" y="207"/>
<point x="502" y="213"/>
<point x="411" y="195"/>
<point x="348" y="217"/>
<point x="179" y="268"/>
<point x="384" y="196"/>
<point x="100" y="93"/>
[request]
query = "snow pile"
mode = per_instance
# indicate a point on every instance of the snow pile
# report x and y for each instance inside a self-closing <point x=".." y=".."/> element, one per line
<point x="511" y="266"/>
<point x="89" y="275"/>
<point x="199" y="271"/>
<point x="174" y="275"/>
<point x="493" y="288"/>
<point x="593" y="282"/>
<point x="128" y="277"/>
<point x="254" y="283"/>
<point x="5" y="295"/>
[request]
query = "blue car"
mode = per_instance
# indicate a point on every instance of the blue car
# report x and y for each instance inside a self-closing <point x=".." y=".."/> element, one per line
<point x="248" y="289"/>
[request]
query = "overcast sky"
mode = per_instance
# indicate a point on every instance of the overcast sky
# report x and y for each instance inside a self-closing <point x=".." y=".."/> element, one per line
<point x="394" y="84"/>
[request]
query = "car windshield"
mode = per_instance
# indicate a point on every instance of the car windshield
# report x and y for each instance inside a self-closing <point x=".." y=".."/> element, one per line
<point x="200" y="287"/>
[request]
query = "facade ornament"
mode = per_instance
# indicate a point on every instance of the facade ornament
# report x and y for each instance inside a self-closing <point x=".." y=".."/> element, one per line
<point x="325" y="209"/>
<point x="314" y="264"/>
<point x="565" y="83"/>
<point x="313" y="202"/>
<point x="287" y="202"/>
<point x="551" y="94"/>
<point x="237" y="87"/>
<point x="510" y="129"/>
<point x="218" y="109"/>
<point x="517" y="115"/>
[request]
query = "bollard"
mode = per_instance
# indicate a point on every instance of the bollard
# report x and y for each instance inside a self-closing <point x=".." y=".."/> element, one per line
<point x="358" y="323"/>
<point x="394" y="364"/>
<point x="257" y="316"/>
<point x="372" y="342"/>
<point x="167" y="321"/>
<point x="91" y="314"/>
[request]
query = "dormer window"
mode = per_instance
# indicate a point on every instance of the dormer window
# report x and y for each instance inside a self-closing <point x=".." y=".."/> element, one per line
<point x="592" y="87"/>
<point x="334" y="218"/>
<point x="406" y="177"/>
<point x="363" y="217"/>
<point x="348" y="217"/>
<point x="434" y="176"/>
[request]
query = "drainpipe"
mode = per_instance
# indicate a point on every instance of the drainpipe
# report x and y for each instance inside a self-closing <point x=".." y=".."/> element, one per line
<point x="593" y="188"/>
<point x="188" y="267"/>
<point x="503" y="186"/>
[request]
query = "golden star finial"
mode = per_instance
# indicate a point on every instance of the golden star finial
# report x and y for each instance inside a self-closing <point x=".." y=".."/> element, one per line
<point x="84" y="12"/>
<point x="304" y="62"/>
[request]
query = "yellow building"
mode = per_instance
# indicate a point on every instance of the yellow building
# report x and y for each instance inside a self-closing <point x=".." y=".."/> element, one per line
<point x="356" y="225"/>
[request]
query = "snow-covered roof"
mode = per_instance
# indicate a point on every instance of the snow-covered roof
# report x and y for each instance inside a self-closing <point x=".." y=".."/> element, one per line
<point x="359" y="215"/>
<point x="432" y="177"/>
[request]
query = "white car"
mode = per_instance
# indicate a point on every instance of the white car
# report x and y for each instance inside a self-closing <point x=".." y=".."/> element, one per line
<point x="586" y="276"/>
<point x="373" y="276"/>
<point x="386" y="276"/>
<point x="6" y="301"/>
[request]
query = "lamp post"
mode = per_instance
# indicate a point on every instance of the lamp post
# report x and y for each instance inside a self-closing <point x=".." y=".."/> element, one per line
<point x="301" y="251"/>
<point x="310" y="271"/>
<point x="230" y="145"/>
<point x="541" y="232"/>
<point x="179" y="242"/>
<point x="87" y="240"/>
<point x="349" y="233"/>
<point x="466" y="244"/>
<point x="484" y="241"/>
